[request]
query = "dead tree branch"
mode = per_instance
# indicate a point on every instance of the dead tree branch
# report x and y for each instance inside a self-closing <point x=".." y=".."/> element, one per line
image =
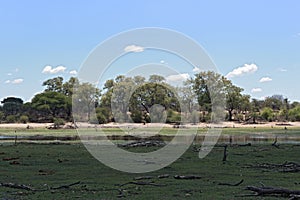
<point x="235" y="184"/>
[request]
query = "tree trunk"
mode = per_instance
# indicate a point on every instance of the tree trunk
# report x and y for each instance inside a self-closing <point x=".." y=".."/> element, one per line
<point x="230" y="115"/>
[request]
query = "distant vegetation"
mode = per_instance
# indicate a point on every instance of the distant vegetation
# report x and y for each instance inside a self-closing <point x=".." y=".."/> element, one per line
<point x="135" y="97"/>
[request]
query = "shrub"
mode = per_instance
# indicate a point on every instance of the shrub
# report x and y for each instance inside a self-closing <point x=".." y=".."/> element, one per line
<point x="24" y="119"/>
<point x="11" y="119"/>
<point x="173" y="117"/>
<point x="294" y="114"/>
<point x="267" y="114"/>
<point x="195" y="117"/>
<point x="58" y="122"/>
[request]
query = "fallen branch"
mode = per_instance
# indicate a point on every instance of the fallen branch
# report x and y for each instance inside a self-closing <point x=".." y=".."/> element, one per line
<point x="65" y="186"/>
<point x="163" y="176"/>
<point x="17" y="186"/>
<point x="150" y="143"/>
<point x="142" y="183"/>
<point x="285" y="167"/>
<point x="225" y="153"/>
<point x="242" y="145"/>
<point x="274" y="144"/>
<point x="143" y="177"/>
<point x="230" y="184"/>
<point x="190" y="177"/>
<point x="262" y="191"/>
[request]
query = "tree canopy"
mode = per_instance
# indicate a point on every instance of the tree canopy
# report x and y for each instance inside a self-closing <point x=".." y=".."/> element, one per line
<point x="141" y="100"/>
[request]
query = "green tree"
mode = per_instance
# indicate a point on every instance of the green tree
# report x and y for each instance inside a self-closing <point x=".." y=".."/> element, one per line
<point x="267" y="114"/>
<point x="156" y="78"/>
<point x="12" y="106"/>
<point x="234" y="98"/>
<point x="24" y="119"/>
<point x="255" y="108"/>
<point x="54" y="84"/>
<point x="85" y="99"/>
<point x="50" y="105"/>
<point x="294" y="113"/>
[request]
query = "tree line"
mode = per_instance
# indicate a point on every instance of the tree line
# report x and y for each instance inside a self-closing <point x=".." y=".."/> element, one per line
<point x="140" y="100"/>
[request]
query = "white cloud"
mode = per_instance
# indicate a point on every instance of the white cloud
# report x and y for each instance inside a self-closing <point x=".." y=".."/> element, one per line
<point x="17" y="81"/>
<point x="9" y="74"/>
<point x="265" y="79"/>
<point x="162" y="62"/>
<point x="49" y="70"/>
<point x="282" y="70"/>
<point x="73" y="72"/>
<point x="177" y="77"/>
<point x="255" y="90"/>
<point x="196" y="69"/>
<point x="240" y="71"/>
<point x="133" y="48"/>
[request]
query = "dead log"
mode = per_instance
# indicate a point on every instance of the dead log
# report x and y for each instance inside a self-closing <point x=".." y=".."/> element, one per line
<point x="189" y="177"/>
<point x="150" y="143"/>
<point x="17" y="186"/>
<point x="163" y="176"/>
<point x="142" y="183"/>
<point x="235" y="184"/>
<point x="225" y="154"/>
<point x="65" y="186"/>
<point x="10" y="159"/>
<point x="285" y="167"/>
<point x="274" y="144"/>
<point x="243" y="145"/>
<point x="263" y="191"/>
<point x="143" y="177"/>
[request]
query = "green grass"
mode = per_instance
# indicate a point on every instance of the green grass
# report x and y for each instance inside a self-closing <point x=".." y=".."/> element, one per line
<point x="163" y="131"/>
<point x="71" y="163"/>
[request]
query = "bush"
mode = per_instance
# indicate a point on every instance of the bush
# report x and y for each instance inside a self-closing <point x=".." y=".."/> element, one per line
<point x="58" y="122"/>
<point x="94" y="120"/>
<point x="294" y="114"/>
<point x="24" y="119"/>
<point x="195" y="117"/>
<point x="267" y="114"/>
<point x="11" y="119"/>
<point x="173" y="117"/>
<point x="101" y="118"/>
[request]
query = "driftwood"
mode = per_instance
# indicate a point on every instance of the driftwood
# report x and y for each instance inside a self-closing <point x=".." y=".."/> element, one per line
<point x="143" y="177"/>
<point x="142" y="183"/>
<point x="163" y="176"/>
<point x="17" y="186"/>
<point x="241" y="145"/>
<point x="149" y="143"/>
<point x="189" y="177"/>
<point x="274" y="144"/>
<point x="225" y="153"/>
<point x="263" y="191"/>
<point x="285" y="167"/>
<point x="29" y="188"/>
<point x="235" y="184"/>
<point x="10" y="159"/>
<point x="65" y="186"/>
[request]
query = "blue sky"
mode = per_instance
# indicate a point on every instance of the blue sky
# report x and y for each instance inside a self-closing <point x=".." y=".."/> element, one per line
<point x="261" y="38"/>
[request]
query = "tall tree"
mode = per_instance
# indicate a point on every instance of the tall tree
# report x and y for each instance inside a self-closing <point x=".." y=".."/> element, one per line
<point x="54" y="84"/>
<point x="50" y="105"/>
<point x="12" y="106"/>
<point x="233" y="97"/>
<point x="85" y="99"/>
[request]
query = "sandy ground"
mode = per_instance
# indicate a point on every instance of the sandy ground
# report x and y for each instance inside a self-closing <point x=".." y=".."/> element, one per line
<point x="112" y="125"/>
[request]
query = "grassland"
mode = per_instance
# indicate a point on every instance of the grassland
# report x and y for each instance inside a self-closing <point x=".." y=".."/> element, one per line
<point x="45" y="167"/>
